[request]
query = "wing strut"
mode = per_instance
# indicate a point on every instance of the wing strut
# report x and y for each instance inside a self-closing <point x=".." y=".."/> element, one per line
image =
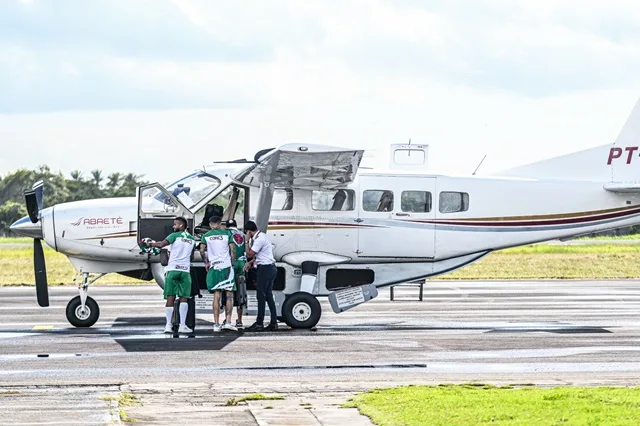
<point x="265" y="198"/>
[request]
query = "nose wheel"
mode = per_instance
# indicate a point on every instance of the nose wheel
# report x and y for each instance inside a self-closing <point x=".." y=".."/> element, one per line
<point x="82" y="310"/>
<point x="82" y="316"/>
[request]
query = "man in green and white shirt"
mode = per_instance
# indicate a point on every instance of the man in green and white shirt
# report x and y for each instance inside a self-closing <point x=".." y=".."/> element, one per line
<point x="218" y="253"/>
<point x="177" y="278"/>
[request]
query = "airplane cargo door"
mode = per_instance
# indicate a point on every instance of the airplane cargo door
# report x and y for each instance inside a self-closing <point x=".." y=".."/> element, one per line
<point x="394" y="217"/>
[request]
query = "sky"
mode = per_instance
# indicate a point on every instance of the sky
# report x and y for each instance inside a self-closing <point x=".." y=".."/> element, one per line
<point x="162" y="87"/>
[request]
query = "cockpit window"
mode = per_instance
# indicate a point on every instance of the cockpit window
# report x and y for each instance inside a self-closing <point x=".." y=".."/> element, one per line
<point x="192" y="189"/>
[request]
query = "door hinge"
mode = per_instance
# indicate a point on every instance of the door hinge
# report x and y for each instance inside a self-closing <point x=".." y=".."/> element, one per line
<point x="358" y="251"/>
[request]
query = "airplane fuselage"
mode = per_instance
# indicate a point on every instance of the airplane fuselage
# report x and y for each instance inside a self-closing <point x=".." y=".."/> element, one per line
<point x="424" y="220"/>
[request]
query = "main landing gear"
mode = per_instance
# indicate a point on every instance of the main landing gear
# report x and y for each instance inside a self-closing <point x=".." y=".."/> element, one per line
<point x="301" y="310"/>
<point x="82" y="310"/>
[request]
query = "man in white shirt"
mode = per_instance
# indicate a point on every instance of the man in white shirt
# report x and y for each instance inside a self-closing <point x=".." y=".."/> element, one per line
<point x="262" y="252"/>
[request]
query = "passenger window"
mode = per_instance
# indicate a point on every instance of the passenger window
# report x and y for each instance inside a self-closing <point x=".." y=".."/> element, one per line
<point x="453" y="202"/>
<point x="282" y="199"/>
<point x="415" y="201"/>
<point x="337" y="200"/>
<point x="377" y="200"/>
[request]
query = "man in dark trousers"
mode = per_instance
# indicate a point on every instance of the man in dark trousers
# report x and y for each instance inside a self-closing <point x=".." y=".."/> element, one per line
<point x="261" y="250"/>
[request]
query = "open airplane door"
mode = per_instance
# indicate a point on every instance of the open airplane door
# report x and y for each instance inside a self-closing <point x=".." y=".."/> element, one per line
<point x="156" y="210"/>
<point x="298" y="166"/>
<point x="309" y="167"/>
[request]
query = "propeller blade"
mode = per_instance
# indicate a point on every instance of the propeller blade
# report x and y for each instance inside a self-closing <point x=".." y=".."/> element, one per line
<point x="42" y="290"/>
<point x="38" y="187"/>
<point x="33" y="198"/>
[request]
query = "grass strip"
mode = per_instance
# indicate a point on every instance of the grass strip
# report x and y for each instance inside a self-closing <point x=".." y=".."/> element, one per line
<point x="484" y="404"/>
<point x="522" y="263"/>
<point x="254" y="397"/>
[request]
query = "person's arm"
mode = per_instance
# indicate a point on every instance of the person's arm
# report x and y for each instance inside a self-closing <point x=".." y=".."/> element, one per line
<point x="250" y="264"/>
<point x="251" y="255"/>
<point x="166" y="242"/>
<point x="232" y="248"/>
<point x="203" y="253"/>
<point x="255" y="247"/>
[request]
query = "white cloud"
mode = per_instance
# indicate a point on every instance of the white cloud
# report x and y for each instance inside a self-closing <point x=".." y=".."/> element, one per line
<point x="518" y="81"/>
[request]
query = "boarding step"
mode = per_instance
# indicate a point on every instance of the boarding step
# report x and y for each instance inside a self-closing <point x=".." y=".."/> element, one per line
<point x="418" y="284"/>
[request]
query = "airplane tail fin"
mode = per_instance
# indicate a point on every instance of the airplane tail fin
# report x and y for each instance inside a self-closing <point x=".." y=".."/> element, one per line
<point x="617" y="164"/>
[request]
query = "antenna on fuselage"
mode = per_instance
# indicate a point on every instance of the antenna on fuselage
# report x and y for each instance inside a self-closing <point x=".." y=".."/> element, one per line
<point x="481" y="161"/>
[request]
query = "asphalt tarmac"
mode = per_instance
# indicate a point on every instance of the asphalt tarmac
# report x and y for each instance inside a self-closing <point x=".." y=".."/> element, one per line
<point x="542" y="332"/>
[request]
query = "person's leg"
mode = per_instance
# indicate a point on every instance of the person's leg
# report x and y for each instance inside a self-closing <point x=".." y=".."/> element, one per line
<point x="261" y="287"/>
<point x="239" y="313"/>
<point x="184" y="310"/>
<point x="228" y="307"/>
<point x="184" y="291"/>
<point x="240" y="294"/>
<point x="213" y="282"/>
<point x="269" y="296"/>
<point x="216" y="307"/>
<point x="168" y="311"/>
<point x="170" y="296"/>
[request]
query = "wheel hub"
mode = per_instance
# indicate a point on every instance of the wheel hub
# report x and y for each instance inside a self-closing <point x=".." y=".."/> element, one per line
<point x="83" y="313"/>
<point x="301" y="311"/>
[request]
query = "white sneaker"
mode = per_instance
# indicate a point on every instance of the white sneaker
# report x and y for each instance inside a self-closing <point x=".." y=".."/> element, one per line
<point x="168" y="329"/>
<point x="184" y="329"/>
<point x="216" y="328"/>
<point x="228" y="326"/>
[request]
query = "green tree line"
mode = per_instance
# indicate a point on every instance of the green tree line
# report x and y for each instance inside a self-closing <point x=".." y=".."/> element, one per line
<point x="60" y="189"/>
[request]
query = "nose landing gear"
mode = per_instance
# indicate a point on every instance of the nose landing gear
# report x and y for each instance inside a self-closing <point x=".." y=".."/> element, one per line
<point x="82" y="310"/>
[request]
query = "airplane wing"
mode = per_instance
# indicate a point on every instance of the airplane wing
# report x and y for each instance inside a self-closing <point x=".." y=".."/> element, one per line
<point x="302" y="166"/>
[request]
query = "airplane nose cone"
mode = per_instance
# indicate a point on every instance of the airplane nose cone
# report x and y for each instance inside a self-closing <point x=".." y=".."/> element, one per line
<point x="26" y="228"/>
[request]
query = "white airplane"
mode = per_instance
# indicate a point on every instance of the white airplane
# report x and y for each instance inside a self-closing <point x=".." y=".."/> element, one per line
<point x="339" y="230"/>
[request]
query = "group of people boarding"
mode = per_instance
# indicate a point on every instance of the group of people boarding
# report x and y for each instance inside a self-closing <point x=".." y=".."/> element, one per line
<point x="231" y="258"/>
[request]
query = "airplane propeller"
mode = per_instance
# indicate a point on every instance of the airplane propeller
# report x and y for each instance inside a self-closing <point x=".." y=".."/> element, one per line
<point x="33" y="199"/>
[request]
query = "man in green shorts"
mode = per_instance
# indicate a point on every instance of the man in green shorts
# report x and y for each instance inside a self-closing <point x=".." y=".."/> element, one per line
<point x="177" y="278"/>
<point x="218" y="253"/>
<point x="240" y="299"/>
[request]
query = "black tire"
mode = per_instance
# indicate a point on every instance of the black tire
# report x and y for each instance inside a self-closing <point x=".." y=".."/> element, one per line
<point x="80" y="319"/>
<point x="301" y="310"/>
